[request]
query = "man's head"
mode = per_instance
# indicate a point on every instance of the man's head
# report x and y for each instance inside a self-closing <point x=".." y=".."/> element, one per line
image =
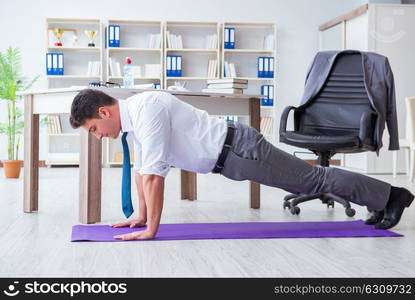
<point x="97" y="113"/>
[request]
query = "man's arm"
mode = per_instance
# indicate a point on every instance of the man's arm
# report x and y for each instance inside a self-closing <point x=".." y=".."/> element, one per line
<point x="141" y="220"/>
<point x="142" y="215"/>
<point x="154" y="196"/>
<point x="153" y="190"/>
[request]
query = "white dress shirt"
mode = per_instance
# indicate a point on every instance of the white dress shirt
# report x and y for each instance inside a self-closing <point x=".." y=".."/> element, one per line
<point x="169" y="132"/>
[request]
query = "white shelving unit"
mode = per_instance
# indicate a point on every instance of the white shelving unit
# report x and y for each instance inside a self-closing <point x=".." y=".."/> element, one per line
<point x="63" y="148"/>
<point x="195" y="54"/>
<point x="249" y="45"/>
<point x="134" y="43"/>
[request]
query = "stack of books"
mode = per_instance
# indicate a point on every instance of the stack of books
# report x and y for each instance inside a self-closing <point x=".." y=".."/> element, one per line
<point x="212" y="67"/>
<point x="229" y="70"/>
<point x="174" y="41"/>
<point x="227" y="85"/>
<point x="93" y="68"/>
<point x="115" y="68"/>
<point x="153" y="41"/>
<point x="54" y="124"/>
<point x="211" y="41"/>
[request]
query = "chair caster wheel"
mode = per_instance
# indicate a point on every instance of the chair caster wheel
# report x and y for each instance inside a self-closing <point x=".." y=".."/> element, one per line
<point x="350" y="212"/>
<point x="286" y="204"/>
<point x="330" y="203"/>
<point x="295" y="210"/>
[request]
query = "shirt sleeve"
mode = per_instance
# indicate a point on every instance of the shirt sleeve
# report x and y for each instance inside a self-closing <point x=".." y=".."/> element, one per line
<point x="137" y="158"/>
<point x="153" y="132"/>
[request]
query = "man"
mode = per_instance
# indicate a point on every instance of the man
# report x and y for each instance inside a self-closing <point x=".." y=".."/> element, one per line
<point x="168" y="132"/>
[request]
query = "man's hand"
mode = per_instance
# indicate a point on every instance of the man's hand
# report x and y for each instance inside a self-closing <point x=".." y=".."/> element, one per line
<point x="140" y="222"/>
<point x="136" y="235"/>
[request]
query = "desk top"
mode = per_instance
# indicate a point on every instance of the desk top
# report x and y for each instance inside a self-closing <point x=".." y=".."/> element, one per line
<point x="130" y="92"/>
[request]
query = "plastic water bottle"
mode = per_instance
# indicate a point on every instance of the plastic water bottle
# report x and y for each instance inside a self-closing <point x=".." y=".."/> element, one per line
<point x="128" y="79"/>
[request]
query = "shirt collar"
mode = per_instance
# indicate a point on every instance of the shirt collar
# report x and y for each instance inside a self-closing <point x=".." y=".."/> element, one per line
<point x="126" y="125"/>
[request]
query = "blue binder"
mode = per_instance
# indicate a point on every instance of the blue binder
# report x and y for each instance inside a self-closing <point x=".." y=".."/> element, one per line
<point x="55" y="64"/>
<point x="226" y="38"/>
<point x="168" y="66"/>
<point x="113" y="35"/>
<point x="49" y="64"/>
<point x="229" y="38"/>
<point x="60" y="63"/>
<point x="178" y="66"/>
<point x="267" y="90"/>
<point x="173" y="66"/>
<point x="261" y="67"/>
<point x="271" y="67"/>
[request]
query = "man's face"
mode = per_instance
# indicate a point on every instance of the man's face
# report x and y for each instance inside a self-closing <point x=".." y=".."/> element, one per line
<point x="107" y="126"/>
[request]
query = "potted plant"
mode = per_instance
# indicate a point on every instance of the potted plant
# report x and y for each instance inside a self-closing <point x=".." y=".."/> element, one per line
<point x="11" y="81"/>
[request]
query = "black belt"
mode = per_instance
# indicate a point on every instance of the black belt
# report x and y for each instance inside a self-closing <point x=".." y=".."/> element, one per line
<point x="226" y="147"/>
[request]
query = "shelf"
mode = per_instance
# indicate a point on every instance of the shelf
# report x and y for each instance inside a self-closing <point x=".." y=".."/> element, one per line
<point x="126" y="49"/>
<point x="186" y="23"/>
<point x="82" y="21"/>
<point x="72" y="77"/>
<point x="247" y="51"/>
<point x="96" y="49"/>
<point x="133" y="22"/>
<point x="193" y="50"/>
<point x="249" y="24"/>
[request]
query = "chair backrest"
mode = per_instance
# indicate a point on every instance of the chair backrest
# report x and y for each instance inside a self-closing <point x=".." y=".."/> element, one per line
<point x="410" y="119"/>
<point x="337" y="108"/>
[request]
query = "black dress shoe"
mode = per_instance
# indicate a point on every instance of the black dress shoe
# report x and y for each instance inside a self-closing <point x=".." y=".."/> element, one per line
<point x="375" y="217"/>
<point x="399" y="199"/>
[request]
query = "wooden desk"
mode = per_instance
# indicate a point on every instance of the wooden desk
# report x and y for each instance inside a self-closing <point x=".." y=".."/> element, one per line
<point x="56" y="101"/>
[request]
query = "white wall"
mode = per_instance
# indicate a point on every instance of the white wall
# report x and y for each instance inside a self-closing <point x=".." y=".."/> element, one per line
<point x="22" y="24"/>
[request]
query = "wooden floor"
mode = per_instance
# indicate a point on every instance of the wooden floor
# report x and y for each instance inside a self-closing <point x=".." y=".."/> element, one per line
<point x="38" y="244"/>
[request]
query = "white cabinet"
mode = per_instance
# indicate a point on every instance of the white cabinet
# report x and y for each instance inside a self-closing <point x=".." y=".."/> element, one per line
<point x="387" y="29"/>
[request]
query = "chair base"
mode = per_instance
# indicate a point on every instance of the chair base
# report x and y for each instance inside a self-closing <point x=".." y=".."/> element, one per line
<point x="327" y="198"/>
<point x="291" y="201"/>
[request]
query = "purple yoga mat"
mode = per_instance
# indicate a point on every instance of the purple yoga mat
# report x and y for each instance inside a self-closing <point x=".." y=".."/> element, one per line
<point x="253" y="230"/>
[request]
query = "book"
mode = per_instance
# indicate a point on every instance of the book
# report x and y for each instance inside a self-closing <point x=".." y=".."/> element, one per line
<point x="224" y="91"/>
<point x="232" y="70"/>
<point x="212" y="66"/>
<point x="226" y="85"/>
<point x="227" y="80"/>
<point x="226" y="70"/>
<point x="58" y="124"/>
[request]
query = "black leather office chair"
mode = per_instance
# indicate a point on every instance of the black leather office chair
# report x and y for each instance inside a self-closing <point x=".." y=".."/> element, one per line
<point x="339" y="119"/>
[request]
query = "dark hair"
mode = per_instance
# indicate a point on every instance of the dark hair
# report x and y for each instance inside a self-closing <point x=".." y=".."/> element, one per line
<point x="85" y="106"/>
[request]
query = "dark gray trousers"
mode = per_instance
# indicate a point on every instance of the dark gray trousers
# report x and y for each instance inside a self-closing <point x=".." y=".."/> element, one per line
<point x="252" y="157"/>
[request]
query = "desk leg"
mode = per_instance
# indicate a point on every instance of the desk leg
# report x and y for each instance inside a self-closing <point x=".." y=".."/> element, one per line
<point x="90" y="178"/>
<point x="255" y="121"/>
<point x="188" y="181"/>
<point x="31" y="157"/>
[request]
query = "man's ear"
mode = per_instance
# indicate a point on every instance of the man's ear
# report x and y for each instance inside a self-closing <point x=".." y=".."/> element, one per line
<point x="104" y="112"/>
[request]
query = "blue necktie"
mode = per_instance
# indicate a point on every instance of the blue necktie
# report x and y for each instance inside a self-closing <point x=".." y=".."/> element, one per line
<point x="127" y="205"/>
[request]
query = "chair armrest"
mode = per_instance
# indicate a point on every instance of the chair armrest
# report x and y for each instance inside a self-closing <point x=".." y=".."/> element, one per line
<point x="284" y="117"/>
<point x="367" y="131"/>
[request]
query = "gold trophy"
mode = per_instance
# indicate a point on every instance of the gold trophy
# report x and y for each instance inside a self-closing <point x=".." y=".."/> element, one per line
<point x="58" y="32"/>
<point x="91" y="34"/>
